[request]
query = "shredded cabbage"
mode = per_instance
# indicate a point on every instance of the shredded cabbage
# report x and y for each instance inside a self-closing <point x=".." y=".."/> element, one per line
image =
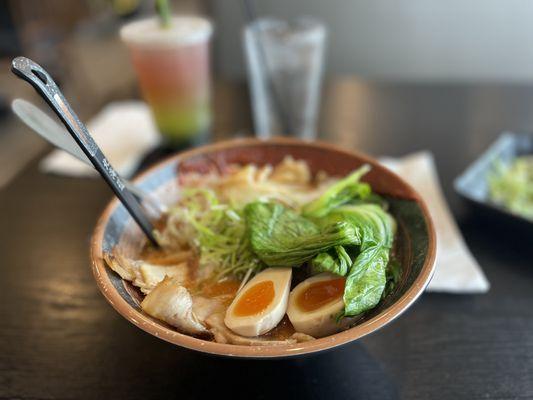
<point x="512" y="185"/>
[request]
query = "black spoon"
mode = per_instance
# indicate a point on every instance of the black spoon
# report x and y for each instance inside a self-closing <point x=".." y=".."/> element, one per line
<point x="43" y="83"/>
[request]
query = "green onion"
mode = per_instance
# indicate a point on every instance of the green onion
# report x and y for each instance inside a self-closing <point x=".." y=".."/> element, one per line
<point x="220" y="233"/>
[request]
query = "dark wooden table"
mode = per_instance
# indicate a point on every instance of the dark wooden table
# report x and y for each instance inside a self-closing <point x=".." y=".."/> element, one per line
<point x="59" y="339"/>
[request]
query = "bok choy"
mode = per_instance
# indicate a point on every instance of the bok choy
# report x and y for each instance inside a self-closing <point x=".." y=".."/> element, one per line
<point x="340" y="193"/>
<point x="336" y="261"/>
<point x="282" y="238"/>
<point x="366" y="277"/>
<point x="337" y="233"/>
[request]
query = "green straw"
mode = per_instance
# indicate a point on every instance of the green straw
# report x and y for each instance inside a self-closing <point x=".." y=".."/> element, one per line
<point x="163" y="10"/>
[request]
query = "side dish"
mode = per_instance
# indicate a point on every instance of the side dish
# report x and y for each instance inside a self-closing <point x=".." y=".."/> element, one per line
<point x="511" y="186"/>
<point x="267" y="255"/>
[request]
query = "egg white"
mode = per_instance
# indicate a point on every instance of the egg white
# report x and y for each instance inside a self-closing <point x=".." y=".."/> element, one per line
<point x="258" y="324"/>
<point x="322" y="321"/>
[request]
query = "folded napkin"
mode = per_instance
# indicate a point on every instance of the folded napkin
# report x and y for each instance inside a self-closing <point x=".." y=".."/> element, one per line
<point x="125" y="132"/>
<point x="456" y="269"/>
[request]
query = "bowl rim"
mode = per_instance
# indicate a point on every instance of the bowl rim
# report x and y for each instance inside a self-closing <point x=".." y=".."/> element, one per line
<point x="149" y="325"/>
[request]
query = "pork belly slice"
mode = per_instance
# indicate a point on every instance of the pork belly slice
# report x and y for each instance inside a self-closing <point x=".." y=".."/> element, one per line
<point x="145" y="275"/>
<point x="172" y="303"/>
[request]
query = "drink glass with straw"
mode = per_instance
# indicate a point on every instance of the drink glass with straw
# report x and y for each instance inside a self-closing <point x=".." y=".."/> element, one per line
<point x="170" y="55"/>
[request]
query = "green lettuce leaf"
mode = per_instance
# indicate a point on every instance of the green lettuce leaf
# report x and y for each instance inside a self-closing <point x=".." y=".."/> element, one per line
<point x="280" y="237"/>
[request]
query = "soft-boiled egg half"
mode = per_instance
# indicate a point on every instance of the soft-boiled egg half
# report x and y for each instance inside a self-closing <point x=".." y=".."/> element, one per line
<point x="315" y="303"/>
<point x="261" y="303"/>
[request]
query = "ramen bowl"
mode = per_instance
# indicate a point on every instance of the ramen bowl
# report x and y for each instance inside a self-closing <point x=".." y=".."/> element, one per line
<point x="414" y="243"/>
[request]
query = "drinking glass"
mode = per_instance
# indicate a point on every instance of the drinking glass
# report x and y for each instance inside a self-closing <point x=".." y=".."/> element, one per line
<point x="172" y="66"/>
<point x="285" y="65"/>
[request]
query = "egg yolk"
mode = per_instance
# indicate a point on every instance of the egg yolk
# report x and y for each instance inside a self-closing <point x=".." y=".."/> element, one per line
<point x="320" y="293"/>
<point x="255" y="299"/>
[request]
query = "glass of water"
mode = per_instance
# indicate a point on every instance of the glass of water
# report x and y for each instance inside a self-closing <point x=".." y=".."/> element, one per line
<point x="285" y="65"/>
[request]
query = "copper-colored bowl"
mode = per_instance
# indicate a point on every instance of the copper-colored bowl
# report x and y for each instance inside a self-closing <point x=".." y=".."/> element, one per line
<point x="415" y="242"/>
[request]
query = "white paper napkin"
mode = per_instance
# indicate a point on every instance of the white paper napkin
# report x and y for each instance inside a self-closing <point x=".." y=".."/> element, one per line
<point x="125" y="132"/>
<point x="456" y="269"/>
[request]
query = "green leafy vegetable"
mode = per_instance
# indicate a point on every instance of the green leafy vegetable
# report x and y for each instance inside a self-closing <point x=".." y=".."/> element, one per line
<point x="340" y="193"/>
<point x="393" y="273"/>
<point x="512" y="185"/>
<point x="280" y="237"/>
<point x="366" y="278"/>
<point x="351" y="201"/>
<point x="377" y="225"/>
<point x="336" y="260"/>
<point x="366" y="281"/>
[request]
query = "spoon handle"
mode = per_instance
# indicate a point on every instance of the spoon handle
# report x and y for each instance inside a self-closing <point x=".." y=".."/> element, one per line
<point x="43" y="83"/>
<point x="57" y="135"/>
